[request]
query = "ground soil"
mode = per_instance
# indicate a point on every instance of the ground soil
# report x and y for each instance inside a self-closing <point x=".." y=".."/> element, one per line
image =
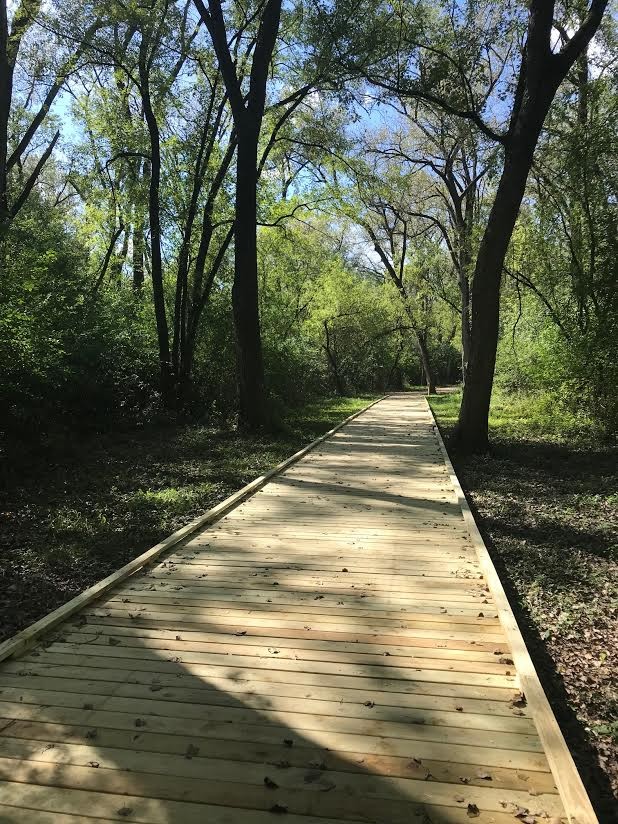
<point x="549" y="515"/>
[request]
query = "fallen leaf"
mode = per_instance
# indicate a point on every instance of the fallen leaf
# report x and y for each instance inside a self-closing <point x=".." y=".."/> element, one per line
<point x="519" y="700"/>
<point x="280" y="809"/>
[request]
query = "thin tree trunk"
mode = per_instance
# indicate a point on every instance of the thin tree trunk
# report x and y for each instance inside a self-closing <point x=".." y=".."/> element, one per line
<point x="6" y="93"/>
<point x="138" y="252"/>
<point x="156" y="260"/>
<point x="332" y="360"/>
<point x="430" y="380"/>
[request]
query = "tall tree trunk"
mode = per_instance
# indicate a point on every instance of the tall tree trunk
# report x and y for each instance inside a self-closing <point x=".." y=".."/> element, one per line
<point x="540" y="75"/>
<point x="247" y="110"/>
<point x="119" y="259"/>
<point x="430" y="379"/>
<point x="331" y="354"/>
<point x="138" y="251"/>
<point x="464" y="264"/>
<point x="154" y="215"/>
<point x="6" y="93"/>
<point x="245" y="301"/>
<point x="485" y="315"/>
<point x="465" y="333"/>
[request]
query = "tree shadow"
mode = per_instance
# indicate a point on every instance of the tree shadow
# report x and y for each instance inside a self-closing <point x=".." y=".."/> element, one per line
<point x="213" y="687"/>
<point x="576" y="735"/>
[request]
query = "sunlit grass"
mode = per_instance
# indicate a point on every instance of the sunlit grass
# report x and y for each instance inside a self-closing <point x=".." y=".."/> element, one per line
<point x="521" y="415"/>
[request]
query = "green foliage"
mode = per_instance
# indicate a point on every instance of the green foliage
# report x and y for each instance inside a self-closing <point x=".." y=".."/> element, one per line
<point x="63" y="347"/>
<point x="323" y="322"/>
<point x="525" y="415"/>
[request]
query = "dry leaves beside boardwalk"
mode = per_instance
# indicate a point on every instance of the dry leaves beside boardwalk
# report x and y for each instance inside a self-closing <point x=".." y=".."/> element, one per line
<point x="548" y="509"/>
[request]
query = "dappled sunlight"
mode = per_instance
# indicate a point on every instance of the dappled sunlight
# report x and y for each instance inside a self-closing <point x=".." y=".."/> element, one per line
<point x="356" y="671"/>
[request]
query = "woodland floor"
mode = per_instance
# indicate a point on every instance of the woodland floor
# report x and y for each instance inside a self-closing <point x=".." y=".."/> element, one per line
<point x="75" y="508"/>
<point x="548" y="509"/>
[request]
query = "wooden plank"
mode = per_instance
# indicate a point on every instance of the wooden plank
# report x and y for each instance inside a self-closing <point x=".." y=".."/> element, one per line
<point x="210" y="663"/>
<point x="456" y="596"/>
<point x="379" y="618"/>
<point x="287" y="632"/>
<point x="301" y="755"/>
<point x="28" y="797"/>
<point x="266" y="681"/>
<point x="176" y="617"/>
<point x="293" y="602"/>
<point x="491" y="714"/>
<point x="150" y="702"/>
<point x="577" y="803"/>
<point x="231" y="641"/>
<point x="329" y="794"/>
<point x="438" y="743"/>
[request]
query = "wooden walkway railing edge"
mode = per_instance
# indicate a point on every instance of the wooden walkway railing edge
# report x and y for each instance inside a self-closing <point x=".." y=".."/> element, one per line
<point x="566" y="775"/>
<point x="21" y="641"/>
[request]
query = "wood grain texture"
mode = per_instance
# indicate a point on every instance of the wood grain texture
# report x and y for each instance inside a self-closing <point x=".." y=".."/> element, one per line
<point x="333" y="649"/>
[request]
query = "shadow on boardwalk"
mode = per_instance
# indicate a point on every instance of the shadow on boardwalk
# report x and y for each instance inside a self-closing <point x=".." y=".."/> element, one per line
<point x="199" y="692"/>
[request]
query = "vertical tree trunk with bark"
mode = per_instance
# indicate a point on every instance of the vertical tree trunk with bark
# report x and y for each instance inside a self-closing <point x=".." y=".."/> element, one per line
<point x="245" y="301"/>
<point x="6" y="93"/>
<point x="248" y="112"/>
<point x="430" y="379"/>
<point x="154" y="215"/>
<point x="138" y="251"/>
<point x="540" y="75"/>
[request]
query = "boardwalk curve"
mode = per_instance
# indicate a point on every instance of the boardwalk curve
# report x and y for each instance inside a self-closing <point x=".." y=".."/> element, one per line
<point x="336" y="648"/>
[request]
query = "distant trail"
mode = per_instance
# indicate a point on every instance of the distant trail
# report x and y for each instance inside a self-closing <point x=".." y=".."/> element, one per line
<point x="336" y="648"/>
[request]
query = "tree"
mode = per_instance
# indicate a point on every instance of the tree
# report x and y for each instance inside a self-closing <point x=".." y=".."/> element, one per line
<point x="444" y="60"/>
<point x="14" y="34"/>
<point x="248" y="112"/>
<point x="379" y="202"/>
<point x="171" y="155"/>
<point x="454" y="164"/>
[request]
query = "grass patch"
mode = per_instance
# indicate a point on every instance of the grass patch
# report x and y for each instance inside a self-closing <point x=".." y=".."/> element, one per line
<point x="546" y="499"/>
<point x="78" y="507"/>
<point x="524" y="416"/>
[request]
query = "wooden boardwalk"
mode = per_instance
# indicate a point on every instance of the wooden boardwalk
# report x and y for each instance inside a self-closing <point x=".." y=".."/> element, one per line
<point x="329" y="651"/>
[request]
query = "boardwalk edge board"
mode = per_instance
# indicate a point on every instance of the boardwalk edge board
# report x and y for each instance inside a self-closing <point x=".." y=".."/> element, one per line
<point x="21" y="641"/>
<point x="578" y="806"/>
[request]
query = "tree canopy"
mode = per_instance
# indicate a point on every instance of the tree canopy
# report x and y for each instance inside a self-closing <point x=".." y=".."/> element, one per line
<point x="215" y="208"/>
